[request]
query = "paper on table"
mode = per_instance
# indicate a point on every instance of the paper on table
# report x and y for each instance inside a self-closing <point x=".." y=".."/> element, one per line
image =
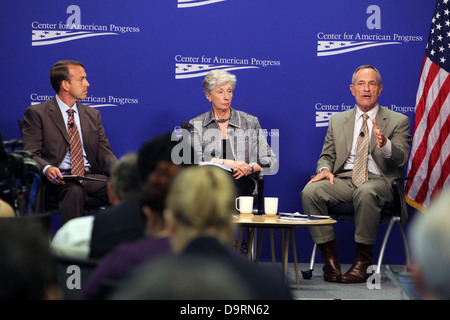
<point x="301" y="217"/>
<point x="209" y="163"/>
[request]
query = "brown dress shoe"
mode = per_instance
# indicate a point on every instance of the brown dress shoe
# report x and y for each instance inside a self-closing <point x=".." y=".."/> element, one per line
<point x="358" y="271"/>
<point x="332" y="268"/>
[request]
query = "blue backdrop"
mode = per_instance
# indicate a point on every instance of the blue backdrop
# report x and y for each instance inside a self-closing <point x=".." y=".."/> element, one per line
<point x="145" y="62"/>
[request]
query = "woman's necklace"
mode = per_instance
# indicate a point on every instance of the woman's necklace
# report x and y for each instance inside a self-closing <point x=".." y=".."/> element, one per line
<point x="225" y="119"/>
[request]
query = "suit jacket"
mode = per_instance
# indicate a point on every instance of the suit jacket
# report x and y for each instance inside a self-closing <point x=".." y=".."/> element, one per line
<point x="339" y="139"/>
<point x="248" y="142"/>
<point x="115" y="225"/>
<point x="188" y="275"/>
<point x="265" y="282"/>
<point x="45" y="135"/>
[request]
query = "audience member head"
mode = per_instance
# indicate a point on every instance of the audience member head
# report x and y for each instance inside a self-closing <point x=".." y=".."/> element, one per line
<point x="157" y="149"/>
<point x="153" y="199"/>
<point x="200" y="202"/>
<point x="430" y="245"/>
<point x="166" y="148"/>
<point x="6" y="210"/>
<point x="125" y="181"/>
<point x="27" y="270"/>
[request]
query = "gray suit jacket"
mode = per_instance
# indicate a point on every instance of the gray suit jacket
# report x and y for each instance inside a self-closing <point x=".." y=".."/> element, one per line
<point x="339" y="139"/>
<point x="247" y="139"/>
<point x="44" y="134"/>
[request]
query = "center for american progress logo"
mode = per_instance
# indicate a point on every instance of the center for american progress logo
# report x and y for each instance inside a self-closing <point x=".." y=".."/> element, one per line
<point x="339" y="43"/>
<point x="192" y="67"/>
<point x="48" y="33"/>
<point x="330" y="44"/>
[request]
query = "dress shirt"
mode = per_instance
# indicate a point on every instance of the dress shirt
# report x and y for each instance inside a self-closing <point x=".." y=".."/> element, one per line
<point x="65" y="164"/>
<point x="386" y="150"/>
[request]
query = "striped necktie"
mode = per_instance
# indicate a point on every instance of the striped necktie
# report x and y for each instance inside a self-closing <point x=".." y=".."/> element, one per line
<point x="360" y="172"/>
<point x="76" y="151"/>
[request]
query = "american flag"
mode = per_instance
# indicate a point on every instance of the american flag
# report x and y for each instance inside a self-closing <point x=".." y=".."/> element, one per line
<point x="429" y="163"/>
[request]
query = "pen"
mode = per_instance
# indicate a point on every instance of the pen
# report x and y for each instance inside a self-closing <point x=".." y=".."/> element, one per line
<point x="57" y="176"/>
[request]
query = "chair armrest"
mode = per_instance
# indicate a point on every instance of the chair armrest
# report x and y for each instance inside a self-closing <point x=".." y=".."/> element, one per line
<point x="398" y="188"/>
<point x="260" y="181"/>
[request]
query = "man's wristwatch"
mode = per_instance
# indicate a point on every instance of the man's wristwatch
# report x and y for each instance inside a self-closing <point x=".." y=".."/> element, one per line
<point x="251" y="166"/>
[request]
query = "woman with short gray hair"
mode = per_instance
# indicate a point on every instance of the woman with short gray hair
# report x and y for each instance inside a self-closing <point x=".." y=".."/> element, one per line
<point x="231" y="137"/>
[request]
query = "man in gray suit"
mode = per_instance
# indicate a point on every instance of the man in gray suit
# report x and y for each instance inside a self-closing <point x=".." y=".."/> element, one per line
<point x="389" y="146"/>
<point x="45" y="135"/>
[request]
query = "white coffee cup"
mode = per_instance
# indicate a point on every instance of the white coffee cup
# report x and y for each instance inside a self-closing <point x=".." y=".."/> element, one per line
<point x="245" y="204"/>
<point x="270" y="205"/>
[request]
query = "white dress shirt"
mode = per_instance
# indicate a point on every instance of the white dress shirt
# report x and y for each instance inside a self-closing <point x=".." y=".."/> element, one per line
<point x="65" y="164"/>
<point x="386" y="150"/>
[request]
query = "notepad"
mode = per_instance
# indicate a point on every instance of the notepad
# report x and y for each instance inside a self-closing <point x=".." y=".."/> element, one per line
<point x="209" y="163"/>
<point x="77" y="177"/>
<point x="301" y="217"/>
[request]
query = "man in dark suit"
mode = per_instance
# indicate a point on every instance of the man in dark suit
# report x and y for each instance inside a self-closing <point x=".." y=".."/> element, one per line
<point x="45" y="135"/>
<point x="387" y="147"/>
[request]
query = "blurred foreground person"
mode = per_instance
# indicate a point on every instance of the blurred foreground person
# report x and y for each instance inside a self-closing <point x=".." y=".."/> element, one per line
<point x="430" y="246"/>
<point x="199" y="213"/>
<point x="155" y="244"/>
<point x="27" y="270"/>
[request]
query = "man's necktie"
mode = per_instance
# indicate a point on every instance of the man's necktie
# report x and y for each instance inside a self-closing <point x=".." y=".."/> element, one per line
<point x="76" y="152"/>
<point x="360" y="173"/>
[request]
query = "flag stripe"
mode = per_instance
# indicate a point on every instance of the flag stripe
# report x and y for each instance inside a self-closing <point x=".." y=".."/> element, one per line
<point x="429" y="73"/>
<point x="434" y="166"/>
<point x="444" y="182"/>
<point x="422" y="162"/>
<point x="445" y="170"/>
<point x="426" y="120"/>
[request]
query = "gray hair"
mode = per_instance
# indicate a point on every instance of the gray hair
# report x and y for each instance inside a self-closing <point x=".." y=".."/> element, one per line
<point x="125" y="177"/>
<point x="366" y="66"/>
<point x="217" y="78"/>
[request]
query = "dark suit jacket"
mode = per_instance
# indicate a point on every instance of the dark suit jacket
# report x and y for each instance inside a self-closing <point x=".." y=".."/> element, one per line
<point x="264" y="282"/>
<point x="45" y="135"/>
<point x="115" y="225"/>
<point x="204" y="270"/>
